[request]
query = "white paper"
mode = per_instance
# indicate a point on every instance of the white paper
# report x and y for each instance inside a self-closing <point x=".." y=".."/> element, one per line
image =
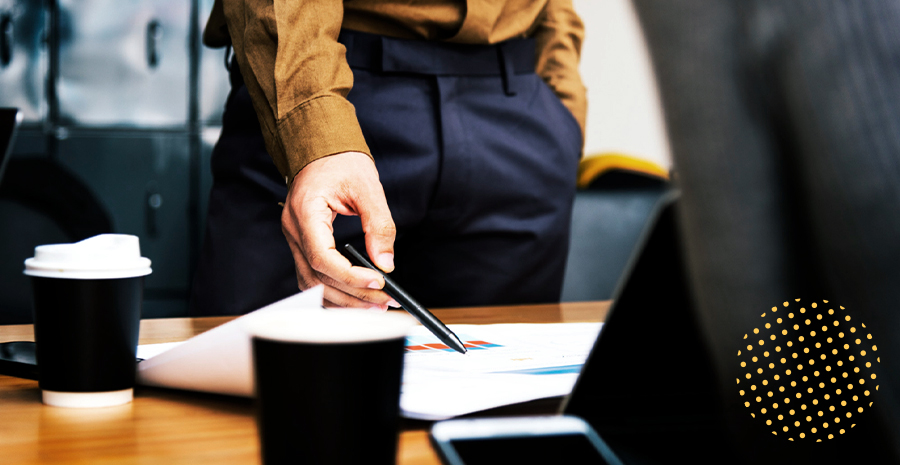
<point x="520" y="363"/>
<point x="218" y="360"/>
<point x="146" y="351"/>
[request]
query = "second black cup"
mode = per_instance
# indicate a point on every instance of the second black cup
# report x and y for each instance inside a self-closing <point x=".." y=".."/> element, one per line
<point x="328" y="385"/>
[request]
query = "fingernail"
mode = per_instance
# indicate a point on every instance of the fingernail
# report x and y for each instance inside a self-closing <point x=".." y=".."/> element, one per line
<point x="393" y="303"/>
<point x="378" y="308"/>
<point x="374" y="285"/>
<point x="386" y="261"/>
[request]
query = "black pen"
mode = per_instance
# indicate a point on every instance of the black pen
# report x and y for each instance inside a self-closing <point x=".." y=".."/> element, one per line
<point x="409" y="304"/>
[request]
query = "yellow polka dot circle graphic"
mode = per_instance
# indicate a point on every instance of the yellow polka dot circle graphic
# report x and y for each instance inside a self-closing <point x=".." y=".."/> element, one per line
<point x="807" y="370"/>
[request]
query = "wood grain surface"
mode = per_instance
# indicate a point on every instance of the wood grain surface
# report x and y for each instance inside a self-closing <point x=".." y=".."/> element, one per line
<point x="174" y="427"/>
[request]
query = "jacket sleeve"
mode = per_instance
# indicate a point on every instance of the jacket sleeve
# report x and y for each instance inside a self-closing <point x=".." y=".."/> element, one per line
<point x="297" y="76"/>
<point x="558" y="37"/>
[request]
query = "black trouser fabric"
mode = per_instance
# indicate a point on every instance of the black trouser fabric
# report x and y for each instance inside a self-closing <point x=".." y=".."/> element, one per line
<point x="477" y="157"/>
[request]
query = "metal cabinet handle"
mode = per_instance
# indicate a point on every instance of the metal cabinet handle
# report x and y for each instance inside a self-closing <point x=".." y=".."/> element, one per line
<point x="154" y="35"/>
<point x="154" y="201"/>
<point x="6" y="38"/>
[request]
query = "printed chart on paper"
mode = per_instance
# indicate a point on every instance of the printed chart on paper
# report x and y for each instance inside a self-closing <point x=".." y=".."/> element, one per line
<point x="505" y="364"/>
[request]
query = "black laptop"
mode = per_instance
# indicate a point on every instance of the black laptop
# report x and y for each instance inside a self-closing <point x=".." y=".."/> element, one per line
<point x="651" y="390"/>
<point x="10" y="118"/>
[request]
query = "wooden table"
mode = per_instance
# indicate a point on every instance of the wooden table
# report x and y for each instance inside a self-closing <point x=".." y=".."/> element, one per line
<point x="170" y="427"/>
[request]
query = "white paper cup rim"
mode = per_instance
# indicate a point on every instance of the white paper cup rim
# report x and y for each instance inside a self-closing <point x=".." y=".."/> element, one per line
<point x="336" y="326"/>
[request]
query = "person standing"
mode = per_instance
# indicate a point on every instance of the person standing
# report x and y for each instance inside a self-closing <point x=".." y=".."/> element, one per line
<point x="440" y="136"/>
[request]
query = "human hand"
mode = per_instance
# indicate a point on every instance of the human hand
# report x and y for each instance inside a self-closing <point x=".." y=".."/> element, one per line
<point x="345" y="184"/>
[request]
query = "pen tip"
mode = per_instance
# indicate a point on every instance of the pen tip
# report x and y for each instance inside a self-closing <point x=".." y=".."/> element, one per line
<point x="455" y="343"/>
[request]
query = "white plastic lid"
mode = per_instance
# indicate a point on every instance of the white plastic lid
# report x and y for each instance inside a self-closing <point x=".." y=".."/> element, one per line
<point x="338" y="326"/>
<point x="107" y="256"/>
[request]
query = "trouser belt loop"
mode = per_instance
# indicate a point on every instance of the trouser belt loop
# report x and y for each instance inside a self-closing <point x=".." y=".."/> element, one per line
<point x="507" y="69"/>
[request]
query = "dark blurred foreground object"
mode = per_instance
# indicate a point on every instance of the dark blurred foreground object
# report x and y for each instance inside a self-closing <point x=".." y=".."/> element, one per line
<point x="784" y="122"/>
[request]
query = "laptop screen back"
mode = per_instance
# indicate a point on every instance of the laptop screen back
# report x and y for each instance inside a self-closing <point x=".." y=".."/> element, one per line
<point x="9" y="123"/>
<point x="649" y="367"/>
<point x="650" y="389"/>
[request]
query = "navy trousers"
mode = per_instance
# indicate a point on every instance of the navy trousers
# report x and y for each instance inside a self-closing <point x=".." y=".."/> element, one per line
<point x="477" y="157"/>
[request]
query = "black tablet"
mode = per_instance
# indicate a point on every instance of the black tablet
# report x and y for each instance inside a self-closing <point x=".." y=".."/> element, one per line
<point x="10" y="118"/>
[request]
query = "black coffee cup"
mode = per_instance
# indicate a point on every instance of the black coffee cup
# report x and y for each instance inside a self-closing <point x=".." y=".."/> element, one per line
<point x="328" y="385"/>
<point x="87" y="311"/>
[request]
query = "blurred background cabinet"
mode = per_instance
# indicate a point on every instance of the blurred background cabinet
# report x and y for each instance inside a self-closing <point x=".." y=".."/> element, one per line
<point x="122" y="105"/>
<point x="140" y="47"/>
<point x="23" y="57"/>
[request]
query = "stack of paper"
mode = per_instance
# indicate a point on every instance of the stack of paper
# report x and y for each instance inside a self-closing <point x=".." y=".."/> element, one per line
<point x="505" y="364"/>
